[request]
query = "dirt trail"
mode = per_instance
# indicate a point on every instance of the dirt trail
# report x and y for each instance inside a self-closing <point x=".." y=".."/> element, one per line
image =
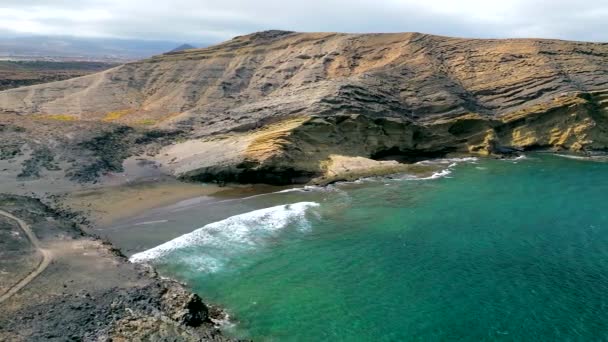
<point x="46" y="258"/>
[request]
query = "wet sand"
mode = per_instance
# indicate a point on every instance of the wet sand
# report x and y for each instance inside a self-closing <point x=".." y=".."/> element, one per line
<point x="108" y="205"/>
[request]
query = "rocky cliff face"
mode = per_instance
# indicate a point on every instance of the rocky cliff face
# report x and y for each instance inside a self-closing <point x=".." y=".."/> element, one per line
<point x="275" y="106"/>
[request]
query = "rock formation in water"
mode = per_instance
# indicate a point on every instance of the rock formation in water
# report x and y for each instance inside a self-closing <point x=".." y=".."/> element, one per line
<point x="279" y="106"/>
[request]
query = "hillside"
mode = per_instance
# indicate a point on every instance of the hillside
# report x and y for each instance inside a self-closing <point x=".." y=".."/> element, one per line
<point x="277" y="106"/>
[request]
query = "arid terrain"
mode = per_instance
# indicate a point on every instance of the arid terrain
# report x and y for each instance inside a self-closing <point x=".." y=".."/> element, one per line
<point x="273" y="107"/>
<point x="84" y="289"/>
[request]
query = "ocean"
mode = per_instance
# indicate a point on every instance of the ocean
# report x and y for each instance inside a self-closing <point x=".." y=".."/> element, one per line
<point x="484" y="250"/>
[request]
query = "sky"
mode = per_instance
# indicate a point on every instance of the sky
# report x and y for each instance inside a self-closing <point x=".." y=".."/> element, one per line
<point x="211" y="21"/>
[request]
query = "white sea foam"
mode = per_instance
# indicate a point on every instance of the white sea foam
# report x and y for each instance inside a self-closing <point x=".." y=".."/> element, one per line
<point x="516" y="159"/>
<point x="224" y="322"/>
<point x="594" y="158"/>
<point x="448" y="161"/>
<point x="438" y="174"/>
<point x="571" y="156"/>
<point x="219" y="241"/>
<point x="306" y="188"/>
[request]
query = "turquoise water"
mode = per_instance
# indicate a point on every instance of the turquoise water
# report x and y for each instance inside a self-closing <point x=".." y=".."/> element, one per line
<point x="498" y="250"/>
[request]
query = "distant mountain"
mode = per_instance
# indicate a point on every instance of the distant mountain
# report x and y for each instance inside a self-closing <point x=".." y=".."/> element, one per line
<point x="15" y="74"/>
<point x="183" y="47"/>
<point x="73" y="48"/>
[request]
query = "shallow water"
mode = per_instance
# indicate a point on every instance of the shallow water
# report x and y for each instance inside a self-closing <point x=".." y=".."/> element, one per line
<point x="497" y="250"/>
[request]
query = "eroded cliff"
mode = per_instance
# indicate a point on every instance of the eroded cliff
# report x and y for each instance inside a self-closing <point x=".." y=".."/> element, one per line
<point x="279" y="106"/>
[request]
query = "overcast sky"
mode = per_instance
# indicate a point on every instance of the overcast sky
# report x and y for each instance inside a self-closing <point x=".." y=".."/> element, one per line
<point x="208" y="21"/>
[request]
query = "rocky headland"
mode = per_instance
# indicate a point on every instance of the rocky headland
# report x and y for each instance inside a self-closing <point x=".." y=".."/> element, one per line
<point x="86" y="290"/>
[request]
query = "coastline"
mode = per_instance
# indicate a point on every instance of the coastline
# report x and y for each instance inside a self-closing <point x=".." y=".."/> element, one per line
<point x="90" y="290"/>
<point x="92" y="284"/>
<point x="99" y="167"/>
<point x="142" y="205"/>
<point x="133" y="200"/>
<point x="107" y="205"/>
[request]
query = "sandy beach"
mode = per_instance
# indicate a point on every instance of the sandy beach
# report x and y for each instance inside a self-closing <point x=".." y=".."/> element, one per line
<point x="108" y="205"/>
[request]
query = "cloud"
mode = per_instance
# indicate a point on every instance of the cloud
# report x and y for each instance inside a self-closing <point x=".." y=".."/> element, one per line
<point x="212" y="20"/>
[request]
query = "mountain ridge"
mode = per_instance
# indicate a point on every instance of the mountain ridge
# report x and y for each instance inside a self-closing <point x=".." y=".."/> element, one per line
<point x="421" y="94"/>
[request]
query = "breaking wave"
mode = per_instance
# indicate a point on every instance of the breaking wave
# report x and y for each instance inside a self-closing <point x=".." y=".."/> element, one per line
<point x="306" y="188"/>
<point x="439" y="174"/>
<point x="450" y="162"/>
<point x="210" y="247"/>
<point x="593" y="158"/>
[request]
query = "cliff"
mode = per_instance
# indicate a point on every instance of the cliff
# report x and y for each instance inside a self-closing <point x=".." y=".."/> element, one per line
<point x="276" y="106"/>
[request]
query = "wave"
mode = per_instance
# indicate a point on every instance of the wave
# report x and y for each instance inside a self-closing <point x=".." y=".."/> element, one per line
<point x="571" y="156"/>
<point x="438" y="174"/>
<point x="517" y="159"/>
<point x="448" y="161"/>
<point x="593" y="158"/>
<point x="306" y="188"/>
<point x="216" y="243"/>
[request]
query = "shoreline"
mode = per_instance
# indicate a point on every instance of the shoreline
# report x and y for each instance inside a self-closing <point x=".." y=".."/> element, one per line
<point x="440" y="167"/>
<point x="446" y="164"/>
<point x="138" y="198"/>
<point x="111" y="163"/>
<point x="105" y="206"/>
<point x="139" y="215"/>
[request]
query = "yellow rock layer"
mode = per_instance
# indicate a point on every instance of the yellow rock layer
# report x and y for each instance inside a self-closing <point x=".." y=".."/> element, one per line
<point x="270" y="141"/>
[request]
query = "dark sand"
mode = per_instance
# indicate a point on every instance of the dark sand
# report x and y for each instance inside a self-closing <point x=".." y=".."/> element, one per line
<point x="138" y="217"/>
